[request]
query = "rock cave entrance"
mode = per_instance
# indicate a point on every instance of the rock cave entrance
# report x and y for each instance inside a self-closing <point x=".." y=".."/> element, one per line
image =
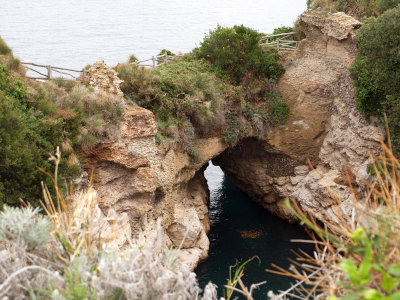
<point x="239" y="228"/>
<point x="259" y="171"/>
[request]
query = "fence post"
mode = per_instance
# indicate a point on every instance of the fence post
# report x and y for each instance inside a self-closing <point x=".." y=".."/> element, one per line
<point x="49" y="72"/>
<point x="83" y="75"/>
<point x="154" y="62"/>
<point x="277" y="45"/>
<point x="166" y="58"/>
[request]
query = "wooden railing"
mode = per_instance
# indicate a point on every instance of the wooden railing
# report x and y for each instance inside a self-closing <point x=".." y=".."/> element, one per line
<point x="157" y="61"/>
<point x="46" y="71"/>
<point x="281" y="41"/>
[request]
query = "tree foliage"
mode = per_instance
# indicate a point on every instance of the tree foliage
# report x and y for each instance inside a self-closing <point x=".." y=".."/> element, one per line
<point x="26" y="138"/>
<point x="376" y="69"/>
<point x="235" y="51"/>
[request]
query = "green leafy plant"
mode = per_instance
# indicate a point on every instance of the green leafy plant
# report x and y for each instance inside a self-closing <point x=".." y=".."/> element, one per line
<point x="4" y="49"/>
<point x="185" y="95"/>
<point x="375" y="71"/>
<point x="132" y="58"/>
<point x="235" y="278"/>
<point x="361" y="274"/>
<point x="235" y="51"/>
<point x="278" y="109"/>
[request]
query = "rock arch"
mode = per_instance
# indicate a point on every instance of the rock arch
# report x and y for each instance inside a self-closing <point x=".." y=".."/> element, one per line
<point x="149" y="180"/>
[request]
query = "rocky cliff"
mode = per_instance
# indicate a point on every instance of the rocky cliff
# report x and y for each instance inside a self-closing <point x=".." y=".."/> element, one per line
<point x="324" y="126"/>
<point x="149" y="180"/>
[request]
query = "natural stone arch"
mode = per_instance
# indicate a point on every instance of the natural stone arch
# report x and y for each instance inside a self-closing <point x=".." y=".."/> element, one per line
<point x="150" y="180"/>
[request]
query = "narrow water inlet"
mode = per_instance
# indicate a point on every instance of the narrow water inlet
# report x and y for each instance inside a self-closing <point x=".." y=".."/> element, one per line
<point x="241" y="229"/>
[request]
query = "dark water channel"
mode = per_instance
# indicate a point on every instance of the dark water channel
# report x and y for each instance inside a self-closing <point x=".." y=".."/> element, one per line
<point x="241" y="229"/>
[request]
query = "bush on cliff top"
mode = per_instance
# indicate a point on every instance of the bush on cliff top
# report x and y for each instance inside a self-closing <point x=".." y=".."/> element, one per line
<point x="185" y="96"/>
<point x="376" y="70"/>
<point x="200" y="93"/>
<point x="26" y="136"/>
<point x="4" y="49"/>
<point x="360" y="9"/>
<point x="235" y="51"/>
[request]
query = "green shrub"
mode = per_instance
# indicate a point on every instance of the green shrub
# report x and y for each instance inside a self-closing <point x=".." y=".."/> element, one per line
<point x="282" y="29"/>
<point x="235" y="131"/>
<point x="4" y="49"/>
<point x="184" y="95"/>
<point x="35" y="118"/>
<point x="235" y="51"/>
<point x="360" y="9"/>
<point x="163" y="52"/>
<point x="385" y="5"/>
<point x="278" y="109"/>
<point x="166" y="51"/>
<point x="26" y="137"/>
<point x="132" y="58"/>
<point x="376" y="69"/>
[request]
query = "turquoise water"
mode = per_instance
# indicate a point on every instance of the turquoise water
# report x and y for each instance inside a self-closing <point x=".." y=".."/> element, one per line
<point x="232" y="214"/>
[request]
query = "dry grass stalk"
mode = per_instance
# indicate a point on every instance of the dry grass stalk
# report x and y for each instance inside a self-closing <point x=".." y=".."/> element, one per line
<point x="83" y="259"/>
<point x="373" y="227"/>
<point x="79" y="222"/>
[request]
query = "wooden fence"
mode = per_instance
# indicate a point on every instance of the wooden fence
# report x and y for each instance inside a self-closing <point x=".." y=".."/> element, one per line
<point x="281" y="41"/>
<point x="157" y="61"/>
<point x="46" y="72"/>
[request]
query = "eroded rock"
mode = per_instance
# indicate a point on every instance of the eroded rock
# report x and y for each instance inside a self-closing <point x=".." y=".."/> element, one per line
<point x="101" y="76"/>
<point x="151" y="181"/>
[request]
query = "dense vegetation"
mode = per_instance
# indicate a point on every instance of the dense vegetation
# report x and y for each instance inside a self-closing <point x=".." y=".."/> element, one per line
<point x="214" y="91"/>
<point x="35" y="118"/>
<point x="360" y="9"/>
<point x="376" y="70"/>
<point x="235" y="52"/>
<point x="205" y="93"/>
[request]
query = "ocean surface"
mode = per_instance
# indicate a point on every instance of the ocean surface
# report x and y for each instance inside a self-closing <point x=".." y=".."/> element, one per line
<point x="74" y="33"/>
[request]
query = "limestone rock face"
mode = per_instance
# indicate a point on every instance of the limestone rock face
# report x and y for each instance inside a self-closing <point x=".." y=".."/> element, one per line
<point x="101" y="76"/>
<point x="150" y="181"/>
<point x="121" y="175"/>
<point x="338" y="25"/>
<point x="323" y="127"/>
<point x="185" y="229"/>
